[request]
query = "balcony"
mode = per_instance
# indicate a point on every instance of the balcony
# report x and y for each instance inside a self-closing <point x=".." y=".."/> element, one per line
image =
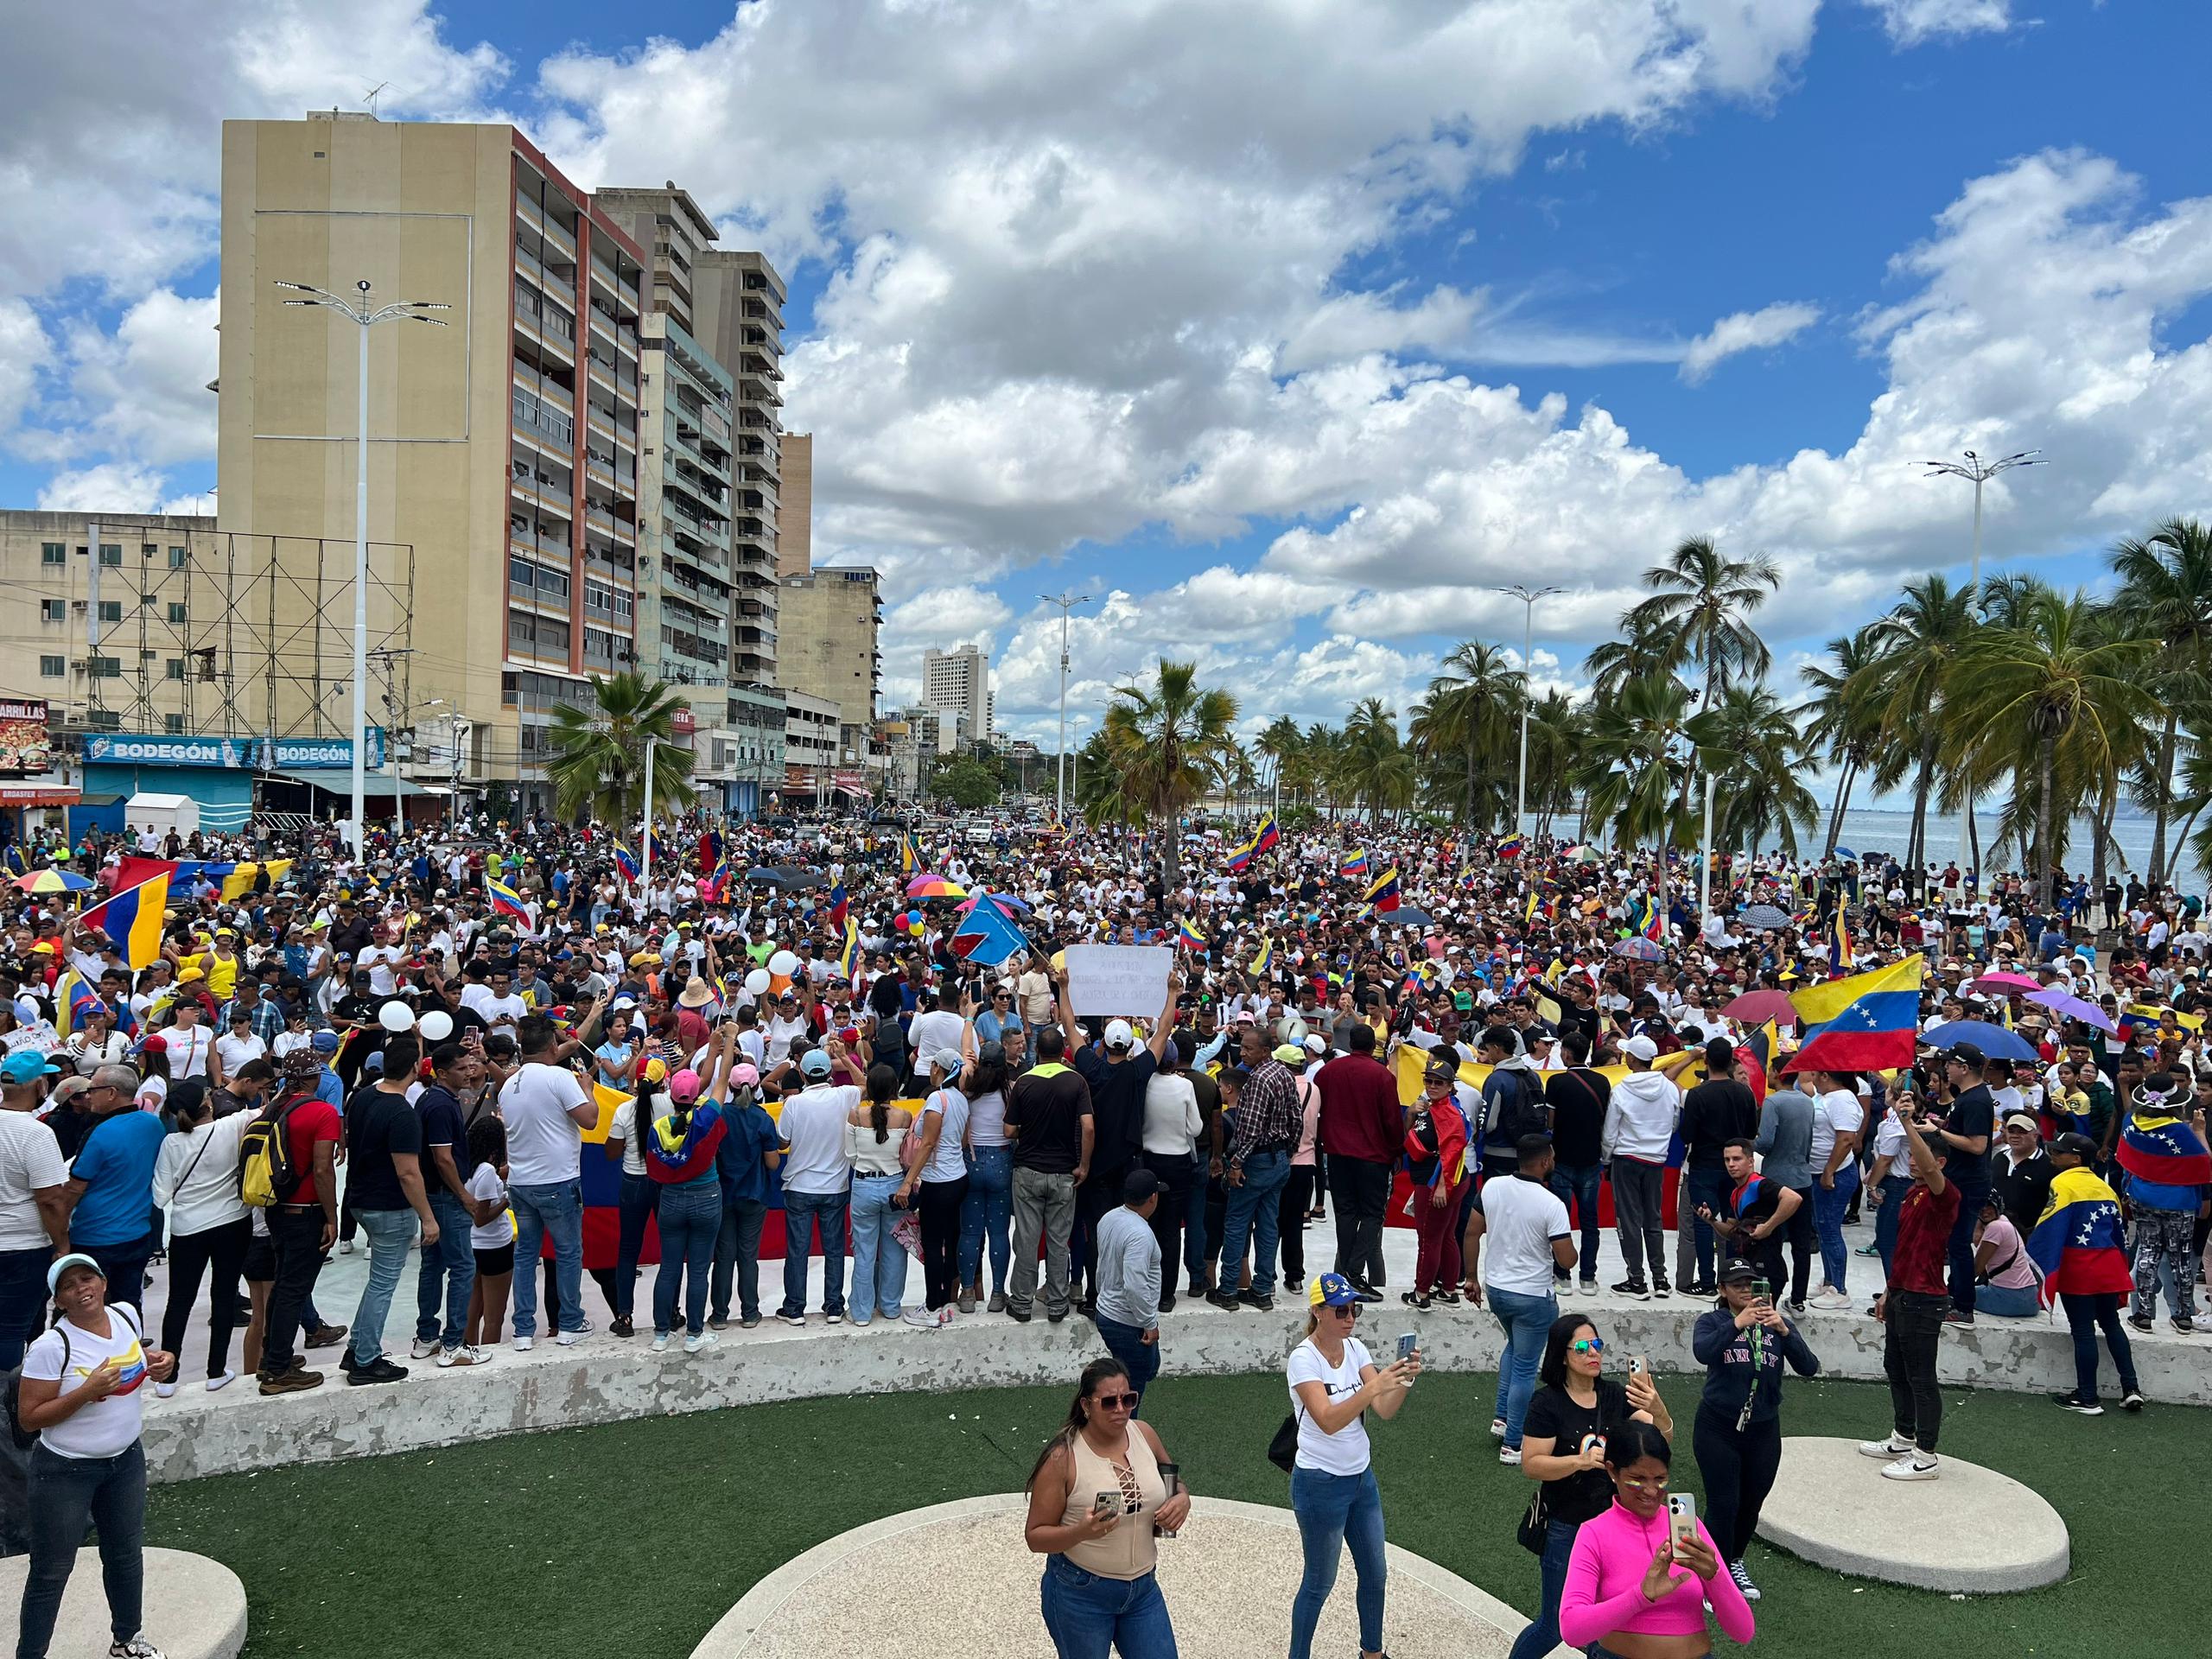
<point x="527" y="210"/>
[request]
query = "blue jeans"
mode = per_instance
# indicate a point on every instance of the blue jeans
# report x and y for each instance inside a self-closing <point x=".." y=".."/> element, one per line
<point x="1196" y="1258"/>
<point x="987" y="1214"/>
<point x="389" y="1232"/>
<point x="737" y="1256"/>
<point x="1527" y="1321"/>
<point x="2008" y="1302"/>
<point x="554" y="1209"/>
<point x="1828" y="1204"/>
<point x="879" y="1260"/>
<point x="1127" y="1343"/>
<point x="690" y="1217"/>
<point x="633" y="1208"/>
<point x="1088" y="1617"/>
<point x="1334" y="1510"/>
<point x="23" y="1303"/>
<point x="1893" y="1188"/>
<point x="1576" y="1186"/>
<point x="448" y="1268"/>
<point x="1541" y="1635"/>
<point x="805" y="1213"/>
<point x="1709" y="1187"/>
<point x="1252" y="1212"/>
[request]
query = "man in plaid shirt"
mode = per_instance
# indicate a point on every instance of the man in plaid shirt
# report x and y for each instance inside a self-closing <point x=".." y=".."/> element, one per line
<point x="1268" y="1118"/>
<point x="265" y="1018"/>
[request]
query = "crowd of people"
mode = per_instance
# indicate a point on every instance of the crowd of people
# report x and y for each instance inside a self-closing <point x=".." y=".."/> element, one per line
<point x="485" y="1053"/>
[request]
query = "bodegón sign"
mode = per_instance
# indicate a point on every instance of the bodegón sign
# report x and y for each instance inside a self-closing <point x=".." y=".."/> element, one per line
<point x="291" y="754"/>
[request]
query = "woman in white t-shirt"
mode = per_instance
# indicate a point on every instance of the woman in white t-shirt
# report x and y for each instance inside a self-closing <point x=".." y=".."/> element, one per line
<point x="491" y="1233"/>
<point x="1838" y="1120"/>
<point x="1333" y="1384"/>
<point x="196" y="1181"/>
<point x="82" y="1392"/>
<point x="938" y="1172"/>
<point x="635" y="1203"/>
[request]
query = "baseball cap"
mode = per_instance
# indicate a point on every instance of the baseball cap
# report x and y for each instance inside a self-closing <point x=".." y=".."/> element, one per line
<point x="1966" y="1054"/>
<point x="1737" y="1271"/>
<point x="1141" y="1185"/>
<point x="2079" y="1145"/>
<point x="1119" y="1034"/>
<point x="1289" y="1053"/>
<point x="816" y="1064"/>
<point x="26" y="1066"/>
<point x="684" y="1086"/>
<point x="74" y="1259"/>
<point x="324" y="1042"/>
<point x="2022" y="1121"/>
<point x="1641" y="1048"/>
<point x="946" y="1060"/>
<point x="1316" y="1043"/>
<point x="745" y="1075"/>
<point x="1332" y="1290"/>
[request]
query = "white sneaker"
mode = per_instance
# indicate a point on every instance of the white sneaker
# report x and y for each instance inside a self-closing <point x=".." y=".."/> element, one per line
<point x="1887" y="1451"/>
<point x="136" y="1648"/>
<point x="1833" y="1298"/>
<point x="215" y="1382"/>
<point x="164" y="1390"/>
<point x="660" y="1342"/>
<point x="464" y="1355"/>
<point x="1510" y="1454"/>
<point x="570" y="1339"/>
<point x="421" y="1349"/>
<point x="345" y="1247"/>
<point x="1498" y="1429"/>
<point x="797" y="1321"/>
<point x="704" y="1339"/>
<point x="1750" y="1592"/>
<point x="524" y="1345"/>
<point x="1916" y="1466"/>
<point x="920" y="1317"/>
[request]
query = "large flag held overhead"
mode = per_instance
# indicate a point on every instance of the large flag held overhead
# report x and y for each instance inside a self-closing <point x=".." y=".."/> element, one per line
<point x="1187" y="933"/>
<point x="2079" y="1243"/>
<point x="909" y="860"/>
<point x="1353" y="863"/>
<point x="1817" y="1004"/>
<point x="1874" y="1034"/>
<point x="133" y="919"/>
<point x="1383" y="892"/>
<point x="986" y="934"/>
<point x="1511" y="845"/>
<point x="506" y="901"/>
<point x="1263" y="837"/>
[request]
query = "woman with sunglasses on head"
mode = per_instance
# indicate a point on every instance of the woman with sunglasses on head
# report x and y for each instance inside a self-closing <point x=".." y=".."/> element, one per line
<point x="1333" y="1384"/>
<point x="1633" y="1589"/>
<point x="1742" y="1343"/>
<point x="1572" y="1417"/>
<point x="1095" y="1496"/>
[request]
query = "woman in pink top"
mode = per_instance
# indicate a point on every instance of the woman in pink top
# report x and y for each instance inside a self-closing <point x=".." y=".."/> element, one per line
<point x="1632" y="1591"/>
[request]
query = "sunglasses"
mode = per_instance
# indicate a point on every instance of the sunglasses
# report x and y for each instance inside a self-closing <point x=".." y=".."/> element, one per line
<point x="1349" y="1311"/>
<point x="1114" y="1401"/>
<point x="1587" y="1346"/>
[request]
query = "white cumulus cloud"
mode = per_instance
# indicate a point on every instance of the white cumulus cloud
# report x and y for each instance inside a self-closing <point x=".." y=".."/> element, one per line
<point x="1746" y="331"/>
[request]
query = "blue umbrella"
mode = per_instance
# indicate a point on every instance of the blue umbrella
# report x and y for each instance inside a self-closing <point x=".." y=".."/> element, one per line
<point x="1845" y="853"/>
<point x="1994" y="1041"/>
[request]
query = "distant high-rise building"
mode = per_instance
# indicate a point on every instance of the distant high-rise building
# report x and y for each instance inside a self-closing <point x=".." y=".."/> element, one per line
<point x="738" y="312"/>
<point x="795" y="508"/>
<point x="960" y="681"/>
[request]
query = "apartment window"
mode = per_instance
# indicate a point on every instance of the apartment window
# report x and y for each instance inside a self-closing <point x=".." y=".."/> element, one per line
<point x="105" y="720"/>
<point x="54" y="553"/>
<point x="149" y="600"/>
<point x="52" y="610"/>
<point x="178" y="558"/>
<point x="52" y="667"/>
<point x="147" y="550"/>
<point x="176" y="611"/>
<point x="110" y="610"/>
<point x="107" y="668"/>
<point x="173" y="724"/>
<point x="176" y="668"/>
<point x="111" y="552"/>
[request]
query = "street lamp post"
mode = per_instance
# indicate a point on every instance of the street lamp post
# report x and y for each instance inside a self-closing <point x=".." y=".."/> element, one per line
<point x="1527" y="599"/>
<point x="1977" y="472"/>
<point x="365" y="319"/>
<point x="1067" y="602"/>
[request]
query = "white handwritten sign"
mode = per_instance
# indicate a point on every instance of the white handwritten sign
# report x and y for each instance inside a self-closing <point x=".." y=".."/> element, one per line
<point x="38" y="1034"/>
<point x="1129" y="980"/>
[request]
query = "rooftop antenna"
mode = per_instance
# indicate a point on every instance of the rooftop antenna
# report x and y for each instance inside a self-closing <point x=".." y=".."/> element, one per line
<point x="369" y="98"/>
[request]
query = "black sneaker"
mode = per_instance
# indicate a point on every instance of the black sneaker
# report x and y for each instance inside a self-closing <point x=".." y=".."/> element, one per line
<point x="2076" y="1404"/>
<point x="1635" y="1288"/>
<point x="620" y="1326"/>
<point x="347" y="1363"/>
<point x="2187" y="1327"/>
<point x="1051" y="1317"/>
<point x="1265" y="1304"/>
<point x="1705" y="1288"/>
<point x="1365" y="1292"/>
<point x="1660" y="1288"/>
<point x="2145" y="1326"/>
<point x="1227" y="1304"/>
<point x="1020" y="1315"/>
<point x="2132" y="1400"/>
<point x="379" y="1370"/>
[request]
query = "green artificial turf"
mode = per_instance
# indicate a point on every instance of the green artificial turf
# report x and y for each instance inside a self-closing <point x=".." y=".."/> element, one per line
<point x="635" y="1538"/>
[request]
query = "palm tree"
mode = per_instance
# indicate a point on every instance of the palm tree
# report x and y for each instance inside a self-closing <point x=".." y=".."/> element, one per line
<point x="598" y="767"/>
<point x="1843" y="727"/>
<point x="1698" y="606"/>
<point x="1170" y="743"/>
<point x="1557" y="727"/>
<point x="2165" y="592"/>
<point x="1903" y="689"/>
<point x="1377" y="767"/>
<point x="1277" y="745"/>
<point x="1754" y="747"/>
<point x="1470" y="712"/>
<point x="1636" y="763"/>
<point x="1615" y="663"/>
<point x="2059" y="690"/>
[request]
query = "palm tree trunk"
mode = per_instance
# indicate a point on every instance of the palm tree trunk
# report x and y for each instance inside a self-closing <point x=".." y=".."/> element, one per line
<point x="1917" y="841"/>
<point x="2164" y="793"/>
<point x="1842" y="797"/>
<point x="2107" y="808"/>
<point x="1471" y="788"/>
<point x="2039" y="874"/>
<point x="2181" y="846"/>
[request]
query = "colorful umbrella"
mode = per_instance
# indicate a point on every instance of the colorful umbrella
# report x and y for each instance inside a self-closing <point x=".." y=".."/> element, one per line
<point x="1640" y="949"/>
<point x="928" y="885"/>
<point x="2072" y="1007"/>
<point x="52" y="882"/>
<point x="2010" y="981"/>
<point x="1005" y="901"/>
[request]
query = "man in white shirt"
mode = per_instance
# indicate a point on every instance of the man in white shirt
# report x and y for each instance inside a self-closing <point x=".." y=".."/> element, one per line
<point x="1529" y="1236"/>
<point x="817" y="1181"/>
<point x="34" y="1216"/>
<point x="547" y="1109"/>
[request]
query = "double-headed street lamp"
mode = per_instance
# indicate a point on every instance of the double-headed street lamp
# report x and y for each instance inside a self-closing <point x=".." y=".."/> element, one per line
<point x="366" y="317"/>
<point x="1067" y="602"/>
<point x="1528" y="598"/>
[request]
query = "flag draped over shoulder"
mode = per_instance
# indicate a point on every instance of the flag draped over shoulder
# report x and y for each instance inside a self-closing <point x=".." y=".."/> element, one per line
<point x="2079" y="1243"/>
<point x="2164" y="1151"/>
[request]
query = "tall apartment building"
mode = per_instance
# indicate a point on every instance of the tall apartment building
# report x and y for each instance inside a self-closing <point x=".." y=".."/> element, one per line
<point x="738" y="312"/>
<point x="795" y="513"/>
<point x="503" y="448"/>
<point x="832" y="620"/>
<point x="959" y="681"/>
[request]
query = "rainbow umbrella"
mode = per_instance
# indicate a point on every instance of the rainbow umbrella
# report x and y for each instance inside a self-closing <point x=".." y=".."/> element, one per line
<point x="927" y="885"/>
<point x="52" y="882"/>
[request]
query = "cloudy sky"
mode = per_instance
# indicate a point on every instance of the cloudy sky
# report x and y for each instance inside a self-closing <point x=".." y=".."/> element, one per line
<point x="1288" y="329"/>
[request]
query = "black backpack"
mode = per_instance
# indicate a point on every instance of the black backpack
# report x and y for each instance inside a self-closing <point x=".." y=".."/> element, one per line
<point x="1529" y="1116"/>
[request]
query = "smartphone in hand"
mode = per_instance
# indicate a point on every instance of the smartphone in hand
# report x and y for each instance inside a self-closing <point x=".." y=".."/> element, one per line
<point x="1681" y="1515"/>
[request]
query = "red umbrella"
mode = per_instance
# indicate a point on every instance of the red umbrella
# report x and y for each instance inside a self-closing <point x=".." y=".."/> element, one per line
<point x="1757" y="1007"/>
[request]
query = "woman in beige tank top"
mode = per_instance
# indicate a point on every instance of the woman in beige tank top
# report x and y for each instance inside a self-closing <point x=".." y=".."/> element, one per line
<point x="1095" y="1497"/>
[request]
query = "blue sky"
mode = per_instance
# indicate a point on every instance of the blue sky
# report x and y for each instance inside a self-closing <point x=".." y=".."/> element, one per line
<point x="1296" y="338"/>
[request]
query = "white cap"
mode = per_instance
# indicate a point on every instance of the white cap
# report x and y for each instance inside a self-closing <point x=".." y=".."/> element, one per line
<point x="1641" y="1048"/>
<point x="1316" y="1043"/>
<point x="1119" y="1035"/>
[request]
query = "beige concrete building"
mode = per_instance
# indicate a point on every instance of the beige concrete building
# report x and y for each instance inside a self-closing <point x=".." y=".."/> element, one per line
<point x="795" y="511"/>
<point x="832" y="620"/>
<point x="737" y="315"/>
<point x="959" y="683"/>
<point x="503" y="448"/>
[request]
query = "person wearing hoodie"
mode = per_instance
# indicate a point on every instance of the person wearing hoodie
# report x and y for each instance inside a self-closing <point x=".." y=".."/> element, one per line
<point x="1639" y="1125"/>
<point x="1513" y="1101"/>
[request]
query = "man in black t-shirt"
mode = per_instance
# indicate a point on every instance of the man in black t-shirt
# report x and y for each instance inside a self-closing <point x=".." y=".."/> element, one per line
<point x="383" y="1181"/>
<point x="1048" y="1120"/>
<point x="448" y="1268"/>
<point x="1714" y="1112"/>
<point x="1966" y="1131"/>
<point x="1577" y="1098"/>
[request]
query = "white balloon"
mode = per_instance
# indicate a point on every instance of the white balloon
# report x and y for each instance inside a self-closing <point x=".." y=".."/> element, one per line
<point x="757" y="981"/>
<point x="396" y="1016"/>
<point x="783" y="963"/>
<point x="436" y="1025"/>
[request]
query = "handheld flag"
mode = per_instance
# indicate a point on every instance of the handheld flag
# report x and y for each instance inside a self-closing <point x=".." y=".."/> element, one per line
<point x="73" y="1001"/>
<point x="839" y="907"/>
<point x="909" y="860"/>
<point x="710" y="852"/>
<point x="506" y="901"/>
<point x="133" y="919"/>
<point x="1353" y="863"/>
<point x="1511" y="845"/>
<point x="1263" y="837"/>
<point x="1265" y="959"/>
<point x="1653" y="925"/>
<point x="1818" y="1004"/>
<point x="849" y="959"/>
<point x="1872" y="1034"/>
<point x="986" y="934"/>
<point x="1840" y="956"/>
<point x="2079" y="1242"/>
<point x="626" y="862"/>
<point x="1187" y="933"/>
<point x="1382" y="892"/>
<point x="1529" y="915"/>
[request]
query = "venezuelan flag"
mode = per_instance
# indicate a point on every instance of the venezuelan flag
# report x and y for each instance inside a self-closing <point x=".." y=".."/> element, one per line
<point x="710" y="852"/>
<point x="1839" y="956"/>
<point x="1511" y="846"/>
<point x="1383" y="892"/>
<point x="2165" y="1150"/>
<point x="1265" y="959"/>
<point x="849" y="959"/>
<point x="2079" y="1243"/>
<point x="1353" y="863"/>
<point x="1654" y="925"/>
<point x="1263" y="838"/>
<point x="506" y="901"/>
<point x="1529" y="915"/>
<point x="909" y="860"/>
<point x="1187" y="933"/>
<point x="839" y="906"/>
<point x="1872" y="1034"/>
<point x="133" y="919"/>
<point x="1818" y="1004"/>
<point x="626" y="862"/>
<point x="73" y="1000"/>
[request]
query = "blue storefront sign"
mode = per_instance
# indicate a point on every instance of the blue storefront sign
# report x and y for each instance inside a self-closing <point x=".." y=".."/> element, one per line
<point x="316" y="753"/>
<point x="232" y="753"/>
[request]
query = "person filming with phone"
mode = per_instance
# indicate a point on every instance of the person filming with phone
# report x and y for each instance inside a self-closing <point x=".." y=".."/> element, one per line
<point x="1738" y="1435"/>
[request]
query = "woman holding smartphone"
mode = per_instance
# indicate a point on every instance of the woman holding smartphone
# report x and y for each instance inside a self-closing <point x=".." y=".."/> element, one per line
<point x="1102" y="1485"/>
<point x="1742" y="1344"/>
<point x="1333" y="1384"/>
<point x="1640" y="1576"/>
<point x="1571" y="1419"/>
